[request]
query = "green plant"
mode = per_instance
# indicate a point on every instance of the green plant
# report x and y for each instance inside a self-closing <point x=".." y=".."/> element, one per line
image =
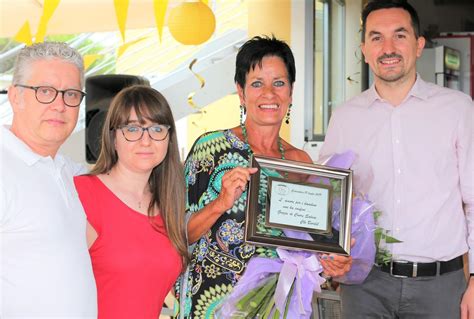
<point x="382" y="255"/>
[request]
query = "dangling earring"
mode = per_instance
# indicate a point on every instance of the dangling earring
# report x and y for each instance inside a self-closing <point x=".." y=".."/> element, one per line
<point x="287" y="121"/>
<point x="242" y="113"/>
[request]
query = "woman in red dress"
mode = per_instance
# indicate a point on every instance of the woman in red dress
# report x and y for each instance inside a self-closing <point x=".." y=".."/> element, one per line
<point x="134" y="201"/>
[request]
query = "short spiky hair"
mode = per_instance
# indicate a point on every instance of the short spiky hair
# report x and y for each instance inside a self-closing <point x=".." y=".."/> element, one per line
<point x="389" y="4"/>
<point x="45" y="51"/>
<point x="254" y="50"/>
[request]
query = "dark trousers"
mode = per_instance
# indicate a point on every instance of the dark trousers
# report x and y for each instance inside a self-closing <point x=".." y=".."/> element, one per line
<point x="385" y="296"/>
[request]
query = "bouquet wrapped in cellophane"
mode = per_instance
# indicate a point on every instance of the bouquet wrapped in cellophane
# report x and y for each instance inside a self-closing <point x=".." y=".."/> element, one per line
<point x="275" y="287"/>
<point x="283" y="287"/>
<point x="363" y="227"/>
<point x="362" y="230"/>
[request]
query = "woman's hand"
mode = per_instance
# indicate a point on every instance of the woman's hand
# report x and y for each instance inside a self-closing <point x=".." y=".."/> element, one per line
<point x="336" y="265"/>
<point x="234" y="183"/>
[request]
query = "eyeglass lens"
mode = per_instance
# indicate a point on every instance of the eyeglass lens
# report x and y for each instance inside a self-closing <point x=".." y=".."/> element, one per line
<point x="134" y="133"/>
<point x="46" y="94"/>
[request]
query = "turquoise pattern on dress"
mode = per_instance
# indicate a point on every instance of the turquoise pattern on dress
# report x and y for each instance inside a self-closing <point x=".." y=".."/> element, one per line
<point x="219" y="258"/>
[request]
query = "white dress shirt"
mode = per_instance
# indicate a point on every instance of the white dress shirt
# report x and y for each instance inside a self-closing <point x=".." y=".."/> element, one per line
<point x="415" y="162"/>
<point x="45" y="268"/>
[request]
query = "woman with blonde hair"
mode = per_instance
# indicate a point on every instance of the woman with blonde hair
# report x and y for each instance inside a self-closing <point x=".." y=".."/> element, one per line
<point x="134" y="202"/>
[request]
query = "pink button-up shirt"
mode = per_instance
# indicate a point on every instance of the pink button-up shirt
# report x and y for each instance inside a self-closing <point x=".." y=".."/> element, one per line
<point x="416" y="162"/>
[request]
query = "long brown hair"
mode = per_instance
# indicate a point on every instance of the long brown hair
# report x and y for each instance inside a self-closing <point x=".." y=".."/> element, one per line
<point x="166" y="180"/>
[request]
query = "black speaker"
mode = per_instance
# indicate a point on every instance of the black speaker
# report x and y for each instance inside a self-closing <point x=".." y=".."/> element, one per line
<point x="100" y="90"/>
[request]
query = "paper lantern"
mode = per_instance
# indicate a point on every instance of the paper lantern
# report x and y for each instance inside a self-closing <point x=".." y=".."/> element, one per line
<point x="191" y="23"/>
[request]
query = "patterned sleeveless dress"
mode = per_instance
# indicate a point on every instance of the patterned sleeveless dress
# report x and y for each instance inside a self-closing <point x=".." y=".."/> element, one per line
<point x="219" y="258"/>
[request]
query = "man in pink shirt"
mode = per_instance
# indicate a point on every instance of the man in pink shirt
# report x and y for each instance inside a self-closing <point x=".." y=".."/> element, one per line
<point x="415" y="160"/>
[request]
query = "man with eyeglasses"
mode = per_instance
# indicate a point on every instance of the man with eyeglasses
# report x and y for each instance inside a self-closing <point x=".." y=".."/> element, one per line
<point x="45" y="268"/>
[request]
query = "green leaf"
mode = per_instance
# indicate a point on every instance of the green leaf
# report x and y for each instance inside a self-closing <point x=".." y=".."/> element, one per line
<point x="267" y="304"/>
<point x="392" y="240"/>
<point x="243" y="303"/>
<point x="377" y="214"/>
<point x="382" y="255"/>
<point x="288" y="300"/>
<point x="262" y="294"/>
<point x="377" y="236"/>
<point x="268" y="308"/>
<point x="276" y="314"/>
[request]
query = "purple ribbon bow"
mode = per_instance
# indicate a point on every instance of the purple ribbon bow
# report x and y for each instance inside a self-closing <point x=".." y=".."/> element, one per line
<point x="303" y="270"/>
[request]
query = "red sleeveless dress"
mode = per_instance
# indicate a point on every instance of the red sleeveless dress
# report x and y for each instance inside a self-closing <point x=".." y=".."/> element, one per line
<point x="134" y="265"/>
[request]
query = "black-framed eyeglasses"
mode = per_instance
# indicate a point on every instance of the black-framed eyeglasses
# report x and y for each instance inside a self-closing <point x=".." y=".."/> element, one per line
<point x="133" y="133"/>
<point x="47" y="94"/>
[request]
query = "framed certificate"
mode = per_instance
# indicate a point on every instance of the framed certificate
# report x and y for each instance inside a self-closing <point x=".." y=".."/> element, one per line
<point x="302" y="205"/>
<point x="299" y="206"/>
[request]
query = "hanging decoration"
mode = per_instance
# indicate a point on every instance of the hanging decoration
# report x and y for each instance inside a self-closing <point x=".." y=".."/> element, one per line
<point x="160" y="7"/>
<point x="24" y="34"/>
<point x="121" y="49"/>
<point x="89" y="59"/>
<point x="121" y="10"/>
<point x="49" y="6"/>
<point x="200" y="111"/>
<point x="191" y="23"/>
<point x="201" y="81"/>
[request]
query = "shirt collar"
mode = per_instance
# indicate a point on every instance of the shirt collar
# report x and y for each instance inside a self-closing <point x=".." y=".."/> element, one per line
<point x="372" y="95"/>
<point x="22" y="150"/>
<point x="419" y="90"/>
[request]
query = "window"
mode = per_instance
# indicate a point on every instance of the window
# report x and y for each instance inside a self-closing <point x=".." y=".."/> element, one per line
<point x="328" y="65"/>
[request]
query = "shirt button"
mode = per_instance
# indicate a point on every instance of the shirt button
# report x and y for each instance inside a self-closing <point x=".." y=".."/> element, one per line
<point x="398" y="201"/>
<point x="399" y="171"/>
<point x="397" y="141"/>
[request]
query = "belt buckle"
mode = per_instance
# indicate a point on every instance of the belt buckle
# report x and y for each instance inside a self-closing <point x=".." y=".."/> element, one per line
<point x="414" y="273"/>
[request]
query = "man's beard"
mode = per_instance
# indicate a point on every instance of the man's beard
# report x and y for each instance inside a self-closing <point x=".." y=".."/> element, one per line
<point x="391" y="77"/>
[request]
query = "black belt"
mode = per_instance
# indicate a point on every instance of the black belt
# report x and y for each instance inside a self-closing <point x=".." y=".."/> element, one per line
<point x="406" y="269"/>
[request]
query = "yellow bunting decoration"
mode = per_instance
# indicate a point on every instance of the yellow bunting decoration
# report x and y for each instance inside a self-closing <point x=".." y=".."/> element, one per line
<point x="191" y="23"/>
<point x="90" y="58"/>
<point x="121" y="50"/>
<point x="201" y="80"/>
<point x="160" y="13"/>
<point x="49" y="6"/>
<point x="121" y="10"/>
<point x="24" y="34"/>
